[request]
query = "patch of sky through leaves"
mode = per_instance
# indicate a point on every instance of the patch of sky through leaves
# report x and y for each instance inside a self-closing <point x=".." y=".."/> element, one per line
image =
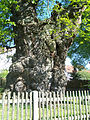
<point x="45" y="7"/>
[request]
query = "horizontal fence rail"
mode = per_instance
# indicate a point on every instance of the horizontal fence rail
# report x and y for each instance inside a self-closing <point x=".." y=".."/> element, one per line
<point x="16" y="107"/>
<point x="63" y="105"/>
<point x="69" y="105"/>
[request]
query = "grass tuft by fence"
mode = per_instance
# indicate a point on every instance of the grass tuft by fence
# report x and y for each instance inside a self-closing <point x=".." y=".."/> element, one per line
<point x="68" y="105"/>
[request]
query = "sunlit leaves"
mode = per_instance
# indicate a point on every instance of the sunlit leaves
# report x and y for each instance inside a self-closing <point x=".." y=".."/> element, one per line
<point x="64" y="20"/>
<point x="6" y="31"/>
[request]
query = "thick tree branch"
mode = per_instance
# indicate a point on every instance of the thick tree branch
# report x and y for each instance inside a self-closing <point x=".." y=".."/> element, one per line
<point x="8" y="47"/>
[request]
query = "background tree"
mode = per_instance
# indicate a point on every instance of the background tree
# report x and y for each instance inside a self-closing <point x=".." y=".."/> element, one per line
<point x="79" y="51"/>
<point x="41" y="45"/>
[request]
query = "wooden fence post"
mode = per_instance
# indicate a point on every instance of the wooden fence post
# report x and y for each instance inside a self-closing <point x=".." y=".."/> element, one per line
<point x="35" y="105"/>
<point x="3" y="105"/>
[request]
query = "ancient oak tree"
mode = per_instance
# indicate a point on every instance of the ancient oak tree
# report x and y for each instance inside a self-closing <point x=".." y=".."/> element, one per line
<point x="42" y="45"/>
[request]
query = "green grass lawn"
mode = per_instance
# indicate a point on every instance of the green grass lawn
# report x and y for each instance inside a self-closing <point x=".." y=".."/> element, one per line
<point x="15" y="112"/>
<point x="3" y="75"/>
<point x="63" y="111"/>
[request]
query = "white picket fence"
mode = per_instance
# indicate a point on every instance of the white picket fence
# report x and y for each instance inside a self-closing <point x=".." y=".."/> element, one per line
<point x="68" y="105"/>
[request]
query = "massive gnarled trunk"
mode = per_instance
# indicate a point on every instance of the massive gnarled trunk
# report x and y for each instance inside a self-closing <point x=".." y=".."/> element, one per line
<point x="39" y="62"/>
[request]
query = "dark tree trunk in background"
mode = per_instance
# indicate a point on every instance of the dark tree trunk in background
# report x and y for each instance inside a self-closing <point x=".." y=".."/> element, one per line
<point x="39" y="62"/>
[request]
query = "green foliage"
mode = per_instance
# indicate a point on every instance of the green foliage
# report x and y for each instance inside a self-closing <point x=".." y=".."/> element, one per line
<point x="83" y="38"/>
<point x="1" y="91"/>
<point x="76" y="76"/>
<point x="79" y="52"/>
<point x="3" y="74"/>
<point x="66" y="17"/>
<point x="84" y="74"/>
<point x="6" y="30"/>
<point x="83" y="77"/>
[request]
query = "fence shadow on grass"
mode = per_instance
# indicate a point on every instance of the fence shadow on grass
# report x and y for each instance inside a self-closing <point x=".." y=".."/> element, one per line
<point x="68" y="105"/>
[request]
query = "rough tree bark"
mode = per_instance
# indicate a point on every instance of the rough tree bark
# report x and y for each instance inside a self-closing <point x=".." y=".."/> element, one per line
<point x="39" y="62"/>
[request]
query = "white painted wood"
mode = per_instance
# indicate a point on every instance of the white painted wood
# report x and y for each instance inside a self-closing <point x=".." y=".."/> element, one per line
<point x="77" y="108"/>
<point x="88" y="102"/>
<point x="54" y="105"/>
<point x="80" y="105"/>
<point x="13" y="106"/>
<point x="86" y="106"/>
<point x="30" y="101"/>
<point x="22" y="103"/>
<point x="3" y="105"/>
<point x="47" y="105"/>
<point x="67" y="106"/>
<point x="61" y="106"/>
<point x="35" y="105"/>
<point x="8" y="105"/>
<point x="50" y="106"/>
<point x="26" y="103"/>
<point x="83" y="108"/>
<point x="74" y="105"/>
<point x="43" y="106"/>
<point x="18" y="98"/>
<point x="39" y="106"/>
<point x="71" y="105"/>
<point x="58" y="105"/>
<point x="64" y="107"/>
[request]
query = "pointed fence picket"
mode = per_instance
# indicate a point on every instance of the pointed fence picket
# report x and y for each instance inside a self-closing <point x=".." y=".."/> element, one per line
<point x="62" y="105"/>
<point x="16" y="107"/>
<point x="69" y="105"/>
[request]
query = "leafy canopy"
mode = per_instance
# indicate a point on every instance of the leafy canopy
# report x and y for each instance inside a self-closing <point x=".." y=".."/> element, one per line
<point x="83" y="36"/>
<point x="79" y="51"/>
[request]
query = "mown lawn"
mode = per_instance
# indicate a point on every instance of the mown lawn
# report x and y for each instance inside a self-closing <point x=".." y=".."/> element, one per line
<point x="15" y="112"/>
<point x="63" y="110"/>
